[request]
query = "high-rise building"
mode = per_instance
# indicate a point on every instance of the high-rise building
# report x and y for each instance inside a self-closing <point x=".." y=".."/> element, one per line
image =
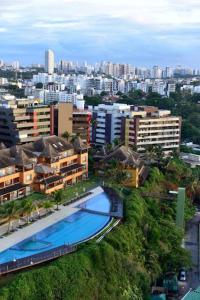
<point x="107" y="122"/>
<point x="49" y="61"/>
<point x="23" y="120"/>
<point x="156" y="72"/>
<point x="61" y="118"/>
<point x="16" y="65"/>
<point x="1" y="63"/>
<point x="148" y="126"/>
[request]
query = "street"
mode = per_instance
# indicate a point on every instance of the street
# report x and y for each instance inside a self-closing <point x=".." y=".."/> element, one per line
<point x="192" y="244"/>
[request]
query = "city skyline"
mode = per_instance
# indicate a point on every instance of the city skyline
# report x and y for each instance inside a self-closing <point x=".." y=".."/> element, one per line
<point x="100" y="30"/>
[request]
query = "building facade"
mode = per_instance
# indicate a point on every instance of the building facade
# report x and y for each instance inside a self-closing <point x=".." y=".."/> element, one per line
<point x="148" y="126"/>
<point x="23" y="120"/>
<point x="107" y="122"/>
<point x="128" y="161"/>
<point x="45" y="166"/>
<point x="81" y="124"/>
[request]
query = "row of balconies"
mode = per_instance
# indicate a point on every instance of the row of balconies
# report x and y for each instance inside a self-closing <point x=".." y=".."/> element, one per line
<point x="149" y="142"/>
<point x="157" y="136"/>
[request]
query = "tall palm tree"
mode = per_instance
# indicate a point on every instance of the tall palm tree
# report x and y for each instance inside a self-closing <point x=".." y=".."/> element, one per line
<point x="11" y="213"/>
<point x="47" y="205"/>
<point x="58" y="197"/>
<point x="27" y="207"/>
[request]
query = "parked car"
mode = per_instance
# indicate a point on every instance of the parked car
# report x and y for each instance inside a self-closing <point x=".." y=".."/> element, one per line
<point x="182" y="276"/>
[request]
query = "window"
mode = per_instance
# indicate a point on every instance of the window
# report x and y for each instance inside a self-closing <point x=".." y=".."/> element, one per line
<point x="29" y="177"/>
<point x="2" y="172"/>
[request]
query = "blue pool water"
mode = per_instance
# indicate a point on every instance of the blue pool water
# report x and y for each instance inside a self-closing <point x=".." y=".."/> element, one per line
<point x="73" y="229"/>
<point x="97" y="204"/>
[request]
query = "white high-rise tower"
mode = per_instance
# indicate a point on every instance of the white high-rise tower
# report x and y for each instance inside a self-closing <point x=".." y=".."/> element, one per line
<point x="49" y="61"/>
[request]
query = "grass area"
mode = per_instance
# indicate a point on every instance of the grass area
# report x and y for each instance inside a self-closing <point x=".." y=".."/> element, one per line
<point x="79" y="188"/>
<point x="36" y="196"/>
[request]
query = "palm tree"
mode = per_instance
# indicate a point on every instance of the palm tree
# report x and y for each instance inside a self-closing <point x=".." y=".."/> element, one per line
<point x="116" y="142"/>
<point x="108" y="147"/>
<point x="47" y="205"/>
<point x="27" y="207"/>
<point x="66" y="135"/>
<point x="11" y="213"/>
<point x="58" y="197"/>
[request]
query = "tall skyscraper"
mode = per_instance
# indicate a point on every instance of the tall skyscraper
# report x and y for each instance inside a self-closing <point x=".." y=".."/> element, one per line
<point x="49" y="61"/>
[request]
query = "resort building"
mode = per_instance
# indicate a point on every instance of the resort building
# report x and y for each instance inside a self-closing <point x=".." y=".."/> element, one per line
<point x="129" y="161"/>
<point x="147" y="126"/>
<point x="22" y="120"/>
<point x="45" y="166"/>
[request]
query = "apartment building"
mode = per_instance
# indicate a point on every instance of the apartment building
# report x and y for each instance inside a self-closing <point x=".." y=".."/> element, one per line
<point x="81" y="124"/>
<point x="76" y="121"/>
<point x="22" y="120"/>
<point x="45" y="166"/>
<point x="150" y="126"/>
<point x="107" y="122"/>
<point x="61" y="118"/>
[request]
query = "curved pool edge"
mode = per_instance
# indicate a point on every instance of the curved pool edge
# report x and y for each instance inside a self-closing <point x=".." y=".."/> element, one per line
<point x="54" y="253"/>
<point x="45" y="256"/>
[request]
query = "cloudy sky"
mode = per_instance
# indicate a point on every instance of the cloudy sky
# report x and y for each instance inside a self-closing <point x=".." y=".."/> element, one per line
<point x="142" y="32"/>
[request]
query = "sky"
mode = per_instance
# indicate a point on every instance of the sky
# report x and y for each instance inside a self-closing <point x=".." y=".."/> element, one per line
<point x="140" y="32"/>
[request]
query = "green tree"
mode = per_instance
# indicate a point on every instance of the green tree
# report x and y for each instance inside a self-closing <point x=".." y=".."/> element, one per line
<point x="47" y="205"/>
<point x="58" y="198"/>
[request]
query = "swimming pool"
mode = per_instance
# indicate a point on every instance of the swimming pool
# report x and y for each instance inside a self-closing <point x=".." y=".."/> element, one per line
<point x="73" y="229"/>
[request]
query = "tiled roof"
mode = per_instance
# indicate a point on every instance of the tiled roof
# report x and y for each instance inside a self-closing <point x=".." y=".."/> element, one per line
<point x="49" y="147"/>
<point x="124" y="155"/>
<point x="43" y="169"/>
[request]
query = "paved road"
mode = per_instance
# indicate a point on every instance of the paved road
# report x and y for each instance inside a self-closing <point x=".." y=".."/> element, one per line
<point x="191" y="244"/>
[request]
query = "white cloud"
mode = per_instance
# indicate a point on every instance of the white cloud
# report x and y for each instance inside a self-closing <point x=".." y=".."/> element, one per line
<point x="57" y="25"/>
<point x="102" y="23"/>
<point x="142" y="12"/>
<point x="3" y="29"/>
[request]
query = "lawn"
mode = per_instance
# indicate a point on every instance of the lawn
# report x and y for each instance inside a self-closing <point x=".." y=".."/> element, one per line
<point x="79" y="188"/>
<point x="36" y="196"/>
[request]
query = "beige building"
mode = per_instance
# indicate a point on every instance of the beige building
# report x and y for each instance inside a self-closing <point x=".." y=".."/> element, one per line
<point x="150" y="126"/>
<point x="66" y="118"/>
<point x="61" y="118"/>
<point x="22" y="120"/>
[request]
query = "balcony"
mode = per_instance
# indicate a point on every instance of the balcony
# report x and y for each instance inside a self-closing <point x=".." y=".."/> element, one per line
<point x="51" y="184"/>
<point x="8" y="177"/>
<point x="70" y="170"/>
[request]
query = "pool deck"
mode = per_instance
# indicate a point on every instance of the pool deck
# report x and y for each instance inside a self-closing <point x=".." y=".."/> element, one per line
<point x="26" y="232"/>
